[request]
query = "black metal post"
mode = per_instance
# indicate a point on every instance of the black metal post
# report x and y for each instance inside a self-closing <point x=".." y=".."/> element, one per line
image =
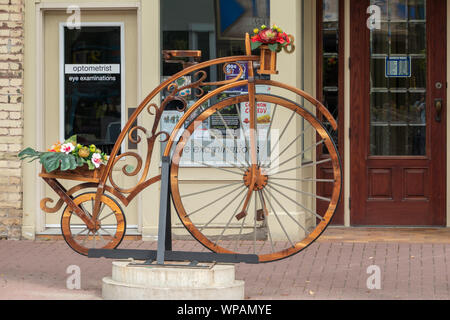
<point x="164" y="227"/>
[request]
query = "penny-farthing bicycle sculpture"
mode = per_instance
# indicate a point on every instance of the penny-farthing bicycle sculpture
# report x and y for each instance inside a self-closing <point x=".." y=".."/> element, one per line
<point x="262" y="202"/>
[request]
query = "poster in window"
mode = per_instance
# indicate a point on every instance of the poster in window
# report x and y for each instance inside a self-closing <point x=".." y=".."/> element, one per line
<point x="236" y="17"/>
<point x="233" y="70"/>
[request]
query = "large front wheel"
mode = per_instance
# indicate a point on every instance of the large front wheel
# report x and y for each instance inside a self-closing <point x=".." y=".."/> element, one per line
<point x="270" y="208"/>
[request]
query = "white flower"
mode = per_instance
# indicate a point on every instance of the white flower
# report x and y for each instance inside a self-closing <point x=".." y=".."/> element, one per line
<point x="67" y="148"/>
<point x="96" y="159"/>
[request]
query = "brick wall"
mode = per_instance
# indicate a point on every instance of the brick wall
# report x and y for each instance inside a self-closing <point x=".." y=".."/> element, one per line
<point x="11" y="116"/>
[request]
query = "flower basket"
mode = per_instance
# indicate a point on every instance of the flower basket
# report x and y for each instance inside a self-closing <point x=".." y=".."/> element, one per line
<point x="268" y="61"/>
<point x="69" y="160"/>
<point x="270" y="41"/>
<point x="79" y="174"/>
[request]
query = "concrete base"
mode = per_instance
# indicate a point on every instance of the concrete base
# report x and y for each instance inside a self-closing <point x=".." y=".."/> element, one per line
<point x="216" y="282"/>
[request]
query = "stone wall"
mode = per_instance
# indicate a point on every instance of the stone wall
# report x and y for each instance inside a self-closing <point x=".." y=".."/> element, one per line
<point x="11" y="116"/>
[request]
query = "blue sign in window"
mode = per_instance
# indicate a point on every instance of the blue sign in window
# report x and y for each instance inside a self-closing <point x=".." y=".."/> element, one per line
<point x="398" y="67"/>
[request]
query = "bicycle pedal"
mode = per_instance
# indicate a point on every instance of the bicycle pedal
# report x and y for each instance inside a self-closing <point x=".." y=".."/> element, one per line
<point x="241" y="215"/>
<point x="260" y="215"/>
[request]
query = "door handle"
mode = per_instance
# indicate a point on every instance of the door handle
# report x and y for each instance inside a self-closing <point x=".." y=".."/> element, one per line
<point x="438" y="105"/>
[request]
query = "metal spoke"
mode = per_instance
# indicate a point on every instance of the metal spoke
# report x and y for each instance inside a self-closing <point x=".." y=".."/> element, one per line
<point x="209" y="190"/>
<point x="223" y="121"/>
<point x="228" y="129"/>
<point x="228" y="149"/>
<point x="240" y="230"/>
<point x="300" y="154"/>
<point x="87" y="236"/>
<point x="261" y="198"/>
<point x="100" y="234"/>
<point x="243" y="134"/>
<point x="303" y="192"/>
<point x="107" y="216"/>
<point x="107" y="232"/>
<point x="290" y="144"/>
<point x="222" y="210"/>
<point x="254" y="227"/>
<point x="270" y="128"/>
<point x="278" y="219"/>
<point x="290" y="216"/>
<point x="271" y="121"/>
<point x="232" y="216"/>
<point x="80" y="232"/>
<point x="270" y="238"/>
<point x="85" y="211"/>
<point x="101" y="210"/>
<point x="305" y="166"/>
<point x="214" y="201"/>
<point x="300" y="205"/>
<point x="284" y="130"/>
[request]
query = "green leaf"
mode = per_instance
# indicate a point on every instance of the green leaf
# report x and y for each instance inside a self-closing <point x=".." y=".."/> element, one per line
<point x="29" y="153"/>
<point x="255" y="45"/>
<point x="50" y="160"/>
<point x="65" y="164"/>
<point x="50" y="163"/>
<point x="273" y="47"/>
<point x="72" y="139"/>
<point x="73" y="163"/>
<point x="54" y="160"/>
<point x="68" y="162"/>
<point x="90" y="165"/>
<point x="79" y="162"/>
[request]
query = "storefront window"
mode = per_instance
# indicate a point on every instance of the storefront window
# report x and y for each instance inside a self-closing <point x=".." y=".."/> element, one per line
<point x="217" y="28"/>
<point x="92" y="76"/>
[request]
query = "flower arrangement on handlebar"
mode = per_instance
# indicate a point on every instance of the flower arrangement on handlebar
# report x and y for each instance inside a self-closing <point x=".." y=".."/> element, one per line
<point x="273" y="37"/>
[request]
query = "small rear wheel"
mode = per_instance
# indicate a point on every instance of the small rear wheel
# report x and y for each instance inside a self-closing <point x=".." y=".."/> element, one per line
<point x="109" y="229"/>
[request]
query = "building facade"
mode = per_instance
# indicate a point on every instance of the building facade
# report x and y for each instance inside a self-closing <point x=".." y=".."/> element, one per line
<point x="380" y="67"/>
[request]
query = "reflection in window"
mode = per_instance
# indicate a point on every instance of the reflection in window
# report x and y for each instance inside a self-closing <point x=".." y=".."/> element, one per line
<point x="92" y="85"/>
<point x="216" y="27"/>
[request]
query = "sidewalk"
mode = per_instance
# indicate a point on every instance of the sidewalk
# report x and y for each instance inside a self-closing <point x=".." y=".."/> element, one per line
<point x="414" y="264"/>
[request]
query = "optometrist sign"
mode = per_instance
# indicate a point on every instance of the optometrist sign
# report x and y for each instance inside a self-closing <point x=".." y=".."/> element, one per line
<point x="92" y="68"/>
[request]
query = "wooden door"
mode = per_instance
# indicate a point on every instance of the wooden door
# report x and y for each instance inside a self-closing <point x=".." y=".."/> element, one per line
<point x="397" y="141"/>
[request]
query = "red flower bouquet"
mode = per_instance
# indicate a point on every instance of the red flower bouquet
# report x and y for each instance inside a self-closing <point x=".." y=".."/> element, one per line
<point x="273" y="37"/>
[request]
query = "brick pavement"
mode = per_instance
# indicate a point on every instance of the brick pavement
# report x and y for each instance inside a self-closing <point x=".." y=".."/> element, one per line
<point x="328" y="269"/>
